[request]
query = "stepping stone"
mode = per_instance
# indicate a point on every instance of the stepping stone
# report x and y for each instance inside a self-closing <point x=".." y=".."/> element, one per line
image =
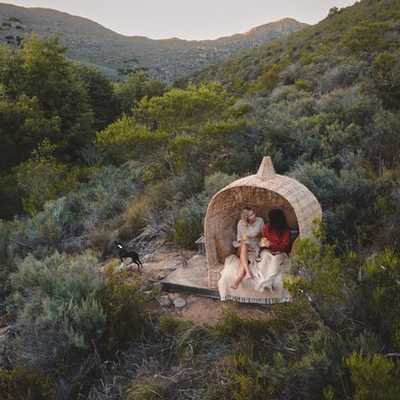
<point x="179" y="302"/>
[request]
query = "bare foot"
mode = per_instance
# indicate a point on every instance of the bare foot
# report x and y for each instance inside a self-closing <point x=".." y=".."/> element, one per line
<point x="248" y="276"/>
<point x="233" y="286"/>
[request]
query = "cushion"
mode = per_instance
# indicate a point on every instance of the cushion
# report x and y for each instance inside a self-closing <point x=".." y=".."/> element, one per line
<point x="223" y="245"/>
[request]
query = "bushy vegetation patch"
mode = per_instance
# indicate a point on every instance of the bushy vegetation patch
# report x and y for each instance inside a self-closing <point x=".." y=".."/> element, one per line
<point x="85" y="161"/>
<point x="25" y="383"/>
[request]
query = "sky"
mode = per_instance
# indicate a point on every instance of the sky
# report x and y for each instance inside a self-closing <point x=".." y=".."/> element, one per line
<point x="188" y="19"/>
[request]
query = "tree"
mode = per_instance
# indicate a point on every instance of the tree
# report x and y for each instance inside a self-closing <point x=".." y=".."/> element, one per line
<point x="40" y="69"/>
<point x="187" y="131"/>
<point x="43" y="178"/>
<point x="138" y="85"/>
<point x="102" y="99"/>
<point x="22" y="126"/>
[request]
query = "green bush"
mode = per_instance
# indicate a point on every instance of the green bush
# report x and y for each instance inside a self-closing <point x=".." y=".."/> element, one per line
<point x="56" y="308"/>
<point x="186" y="233"/>
<point x="7" y="261"/>
<point x="45" y="231"/>
<point x="374" y="377"/>
<point x="43" y="178"/>
<point x="124" y="304"/>
<point x="25" y="383"/>
<point x="188" y="226"/>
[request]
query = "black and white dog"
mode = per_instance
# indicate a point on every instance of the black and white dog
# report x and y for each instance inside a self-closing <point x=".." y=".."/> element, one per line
<point x="123" y="253"/>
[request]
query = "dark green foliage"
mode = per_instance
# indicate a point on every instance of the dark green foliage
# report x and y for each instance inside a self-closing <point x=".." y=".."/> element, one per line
<point x="135" y="88"/>
<point x="374" y="377"/>
<point x="191" y="131"/>
<point x="351" y="297"/>
<point x="357" y="206"/>
<point x="43" y="178"/>
<point x="102" y="99"/>
<point x="7" y="262"/>
<point x="22" y="126"/>
<point x="41" y="70"/>
<point x="124" y="304"/>
<point x="327" y="348"/>
<point x="25" y="383"/>
<point x="44" y="95"/>
<point x="186" y="233"/>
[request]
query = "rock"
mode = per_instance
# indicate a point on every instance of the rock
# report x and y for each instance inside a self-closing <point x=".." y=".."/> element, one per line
<point x="179" y="302"/>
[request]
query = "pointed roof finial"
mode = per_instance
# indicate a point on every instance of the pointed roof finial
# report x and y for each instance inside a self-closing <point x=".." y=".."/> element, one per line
<point x="266" y="170"/>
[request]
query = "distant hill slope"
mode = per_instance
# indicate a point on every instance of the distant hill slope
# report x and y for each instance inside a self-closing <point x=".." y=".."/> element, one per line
<point x="316" y="43"/>
<point x="166" y="59"/>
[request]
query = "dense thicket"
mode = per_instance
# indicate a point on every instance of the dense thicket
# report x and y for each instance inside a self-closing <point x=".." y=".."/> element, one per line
<point x="45" y="96"/>
<point x="92" y="160"/>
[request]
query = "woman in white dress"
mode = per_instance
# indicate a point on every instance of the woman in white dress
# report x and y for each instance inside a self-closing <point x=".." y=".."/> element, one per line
<point x="249" y="231"/>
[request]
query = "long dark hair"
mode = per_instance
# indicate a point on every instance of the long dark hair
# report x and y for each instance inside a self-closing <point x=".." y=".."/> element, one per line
<point x="277" y="221"/>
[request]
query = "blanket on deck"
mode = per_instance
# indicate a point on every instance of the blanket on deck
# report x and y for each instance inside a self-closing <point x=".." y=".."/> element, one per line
<point x="265" y="287"/>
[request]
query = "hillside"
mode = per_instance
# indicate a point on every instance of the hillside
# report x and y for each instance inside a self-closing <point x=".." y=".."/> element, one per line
<point x="313" y="42"/>
<point x="164" y="59"/>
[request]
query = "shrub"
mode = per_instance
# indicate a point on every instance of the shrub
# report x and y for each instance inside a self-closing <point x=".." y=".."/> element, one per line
<point x="340" y="76"/>
<point x="188" y="226"/>
<point x="57" y="312"/>
<point x="43" y="178"/>
<point x="7" y="262"/>
<point x="44" y="232"/>
<point x="24" y="382"/>
<point x="374" y="377"/>
<point x="186" y="233"/>
<point x="85" y="217"/>
<point x="124" y="304"/>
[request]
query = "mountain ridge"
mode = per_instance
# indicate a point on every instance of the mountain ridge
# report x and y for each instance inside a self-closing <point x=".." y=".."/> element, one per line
<point x="89" y="41"/>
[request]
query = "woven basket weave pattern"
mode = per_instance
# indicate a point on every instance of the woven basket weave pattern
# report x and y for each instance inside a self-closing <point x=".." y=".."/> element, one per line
<point x="263" y="191"/>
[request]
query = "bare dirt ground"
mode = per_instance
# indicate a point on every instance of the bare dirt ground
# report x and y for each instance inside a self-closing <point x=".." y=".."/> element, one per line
<point x="201" y="310"/>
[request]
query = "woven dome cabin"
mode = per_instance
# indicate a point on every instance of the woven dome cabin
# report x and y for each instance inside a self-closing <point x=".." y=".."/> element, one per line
<point x="263" y="192"/>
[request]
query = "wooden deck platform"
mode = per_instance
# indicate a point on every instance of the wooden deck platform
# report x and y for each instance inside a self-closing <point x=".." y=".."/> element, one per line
<point x="191" y="278"/>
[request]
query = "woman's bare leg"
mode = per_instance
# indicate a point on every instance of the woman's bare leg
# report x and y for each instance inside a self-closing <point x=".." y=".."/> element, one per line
<point x="243" y="266"/>
<point x="239" y="277"/>
<point x="244" y="260"/>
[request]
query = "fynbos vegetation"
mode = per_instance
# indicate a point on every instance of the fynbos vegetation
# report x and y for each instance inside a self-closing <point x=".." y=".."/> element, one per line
<point x="84" y="159"/>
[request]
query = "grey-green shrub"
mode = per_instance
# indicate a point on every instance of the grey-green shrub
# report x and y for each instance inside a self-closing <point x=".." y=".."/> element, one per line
<point x="56" y="309"/>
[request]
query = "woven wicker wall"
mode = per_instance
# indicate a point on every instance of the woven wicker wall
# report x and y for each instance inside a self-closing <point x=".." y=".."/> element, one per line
<point x="263" y="192"/>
